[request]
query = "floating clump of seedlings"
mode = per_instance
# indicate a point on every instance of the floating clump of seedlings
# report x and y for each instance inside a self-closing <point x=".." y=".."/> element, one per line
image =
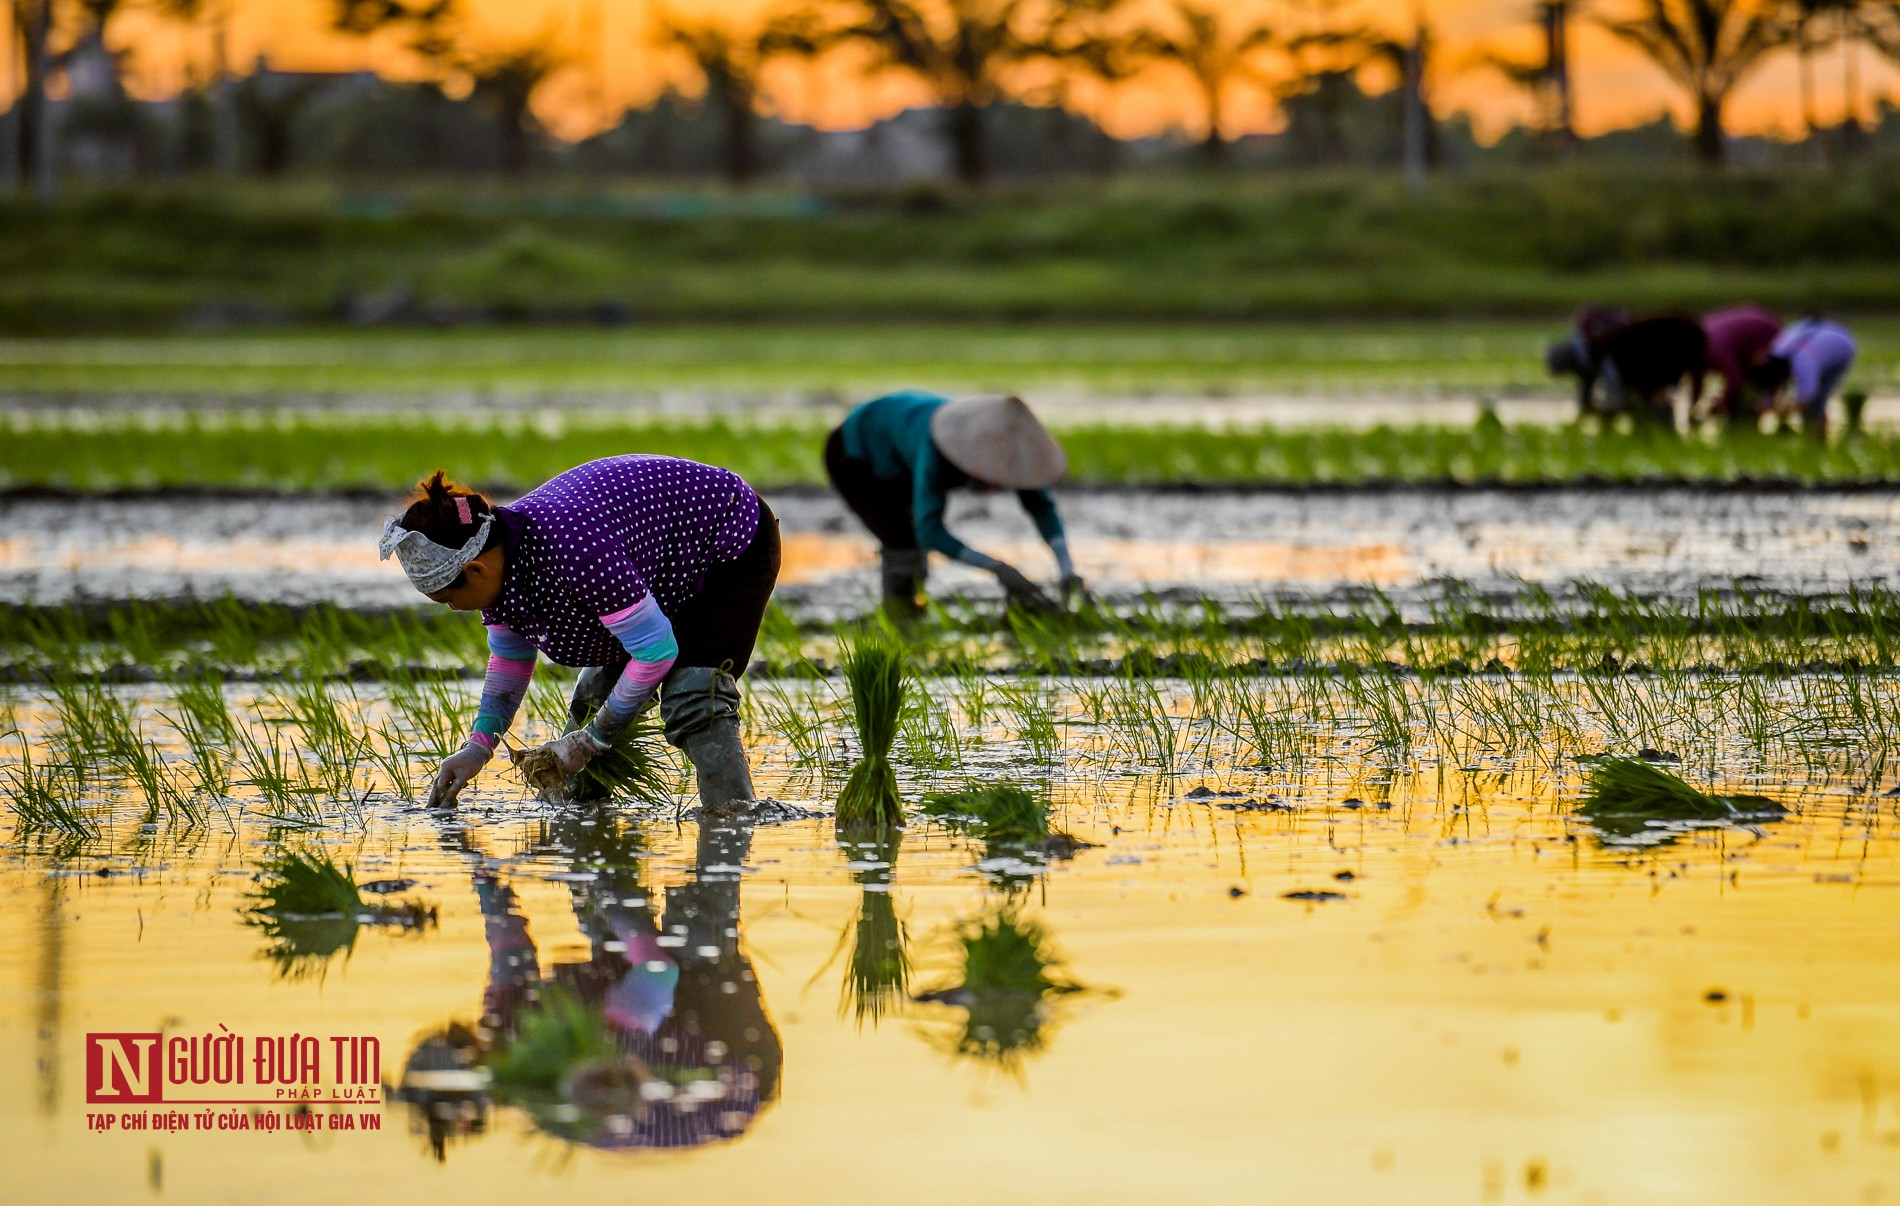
<point x="1009" y="989"/>
<point x="874" y="666"/>
<point x="310" y="909"/>
<point x="1012" y="821"/>
<point x="1632" y="801"/>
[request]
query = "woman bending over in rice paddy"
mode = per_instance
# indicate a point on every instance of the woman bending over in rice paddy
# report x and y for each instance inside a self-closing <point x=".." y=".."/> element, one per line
<point x="895" y="460"/>
<point x="649" y="572"/>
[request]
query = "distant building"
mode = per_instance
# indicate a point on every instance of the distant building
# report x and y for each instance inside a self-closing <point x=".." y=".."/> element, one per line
<point x="101" y="125"/>
<point x="909" y="148"/>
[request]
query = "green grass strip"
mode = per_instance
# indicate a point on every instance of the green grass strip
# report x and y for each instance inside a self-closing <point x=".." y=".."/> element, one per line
<point x="316" y="454"/>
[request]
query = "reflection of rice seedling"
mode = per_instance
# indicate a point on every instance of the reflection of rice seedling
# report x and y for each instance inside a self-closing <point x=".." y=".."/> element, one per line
<point x="558" y="1035"/>
<point x="562" y="1065"/>
<point x="877" y="974"/>
<point x="611" y="846"/>
<point x="874" y="670"/>
<point x="46" y="796"/>
<point x="1008" y="989"/>
<point x="310" y="909"/>
<point x="1627" y="798"/>
<point x="876" y="940"/>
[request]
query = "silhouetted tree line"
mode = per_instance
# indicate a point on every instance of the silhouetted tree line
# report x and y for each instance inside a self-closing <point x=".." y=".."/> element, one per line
<point x="1000" y="73"/>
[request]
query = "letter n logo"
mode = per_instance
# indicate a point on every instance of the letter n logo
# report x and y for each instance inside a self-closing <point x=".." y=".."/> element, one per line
<point x="123" y="1068"/>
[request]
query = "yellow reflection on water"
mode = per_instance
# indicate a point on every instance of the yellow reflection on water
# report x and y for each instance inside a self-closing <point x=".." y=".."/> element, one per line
<point x="1501" y="1007"/>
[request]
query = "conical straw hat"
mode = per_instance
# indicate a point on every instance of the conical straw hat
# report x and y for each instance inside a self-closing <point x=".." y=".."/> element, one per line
<point x="997" y="439"/>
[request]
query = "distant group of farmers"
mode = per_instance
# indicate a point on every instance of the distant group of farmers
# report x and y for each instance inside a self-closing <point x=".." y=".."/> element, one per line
<point x="1633" y="364"/>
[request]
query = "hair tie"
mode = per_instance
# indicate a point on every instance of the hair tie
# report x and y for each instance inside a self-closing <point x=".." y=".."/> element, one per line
<point x="461" y="508"/>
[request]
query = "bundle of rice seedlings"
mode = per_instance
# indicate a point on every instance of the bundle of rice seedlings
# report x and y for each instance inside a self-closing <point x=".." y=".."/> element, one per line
<point x="629" y="771"/>
<point x="310" y="909"/>
<point x="874" y="668"/>
<point x="1622" y="796"/>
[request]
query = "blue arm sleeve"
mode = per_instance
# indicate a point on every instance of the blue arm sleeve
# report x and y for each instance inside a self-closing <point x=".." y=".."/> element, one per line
<point x="1041" y="506"/>
<point x="928" y="500"/>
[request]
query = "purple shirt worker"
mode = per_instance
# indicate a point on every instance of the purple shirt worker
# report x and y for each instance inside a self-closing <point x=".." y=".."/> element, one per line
<point x="651" y="573"/>
<point x="1814" y="355"/>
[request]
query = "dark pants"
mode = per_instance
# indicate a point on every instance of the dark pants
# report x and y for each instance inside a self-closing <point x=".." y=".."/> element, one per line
<point x="883" y="503"/>
<point x="716" y="629"/>
<point x="719" y="626"/>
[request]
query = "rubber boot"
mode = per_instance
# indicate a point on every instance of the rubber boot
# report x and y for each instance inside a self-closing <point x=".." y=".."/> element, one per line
<point x="904" y="573"/>
<point x="699" y="707"/>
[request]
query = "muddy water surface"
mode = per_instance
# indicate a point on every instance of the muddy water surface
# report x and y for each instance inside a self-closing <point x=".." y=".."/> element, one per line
<point x="1347" y="978"/>
<point x="1230" y="546"/>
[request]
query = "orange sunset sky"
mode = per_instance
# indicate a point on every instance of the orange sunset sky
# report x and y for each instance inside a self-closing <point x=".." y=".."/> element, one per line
<point x="614" y="65"/>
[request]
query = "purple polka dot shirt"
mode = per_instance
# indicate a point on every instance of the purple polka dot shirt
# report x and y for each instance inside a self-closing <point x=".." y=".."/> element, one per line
<point x="603" y="536"/>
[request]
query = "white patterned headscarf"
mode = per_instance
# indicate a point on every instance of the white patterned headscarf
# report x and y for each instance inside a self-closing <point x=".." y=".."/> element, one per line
<point x="432" y="566"/>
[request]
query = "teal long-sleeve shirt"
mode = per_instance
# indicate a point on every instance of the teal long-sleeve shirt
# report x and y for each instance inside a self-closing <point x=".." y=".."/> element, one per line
<point x="892" y="433"/>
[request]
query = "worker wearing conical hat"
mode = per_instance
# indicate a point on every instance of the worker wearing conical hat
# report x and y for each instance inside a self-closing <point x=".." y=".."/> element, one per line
<point x="895" y="460"/>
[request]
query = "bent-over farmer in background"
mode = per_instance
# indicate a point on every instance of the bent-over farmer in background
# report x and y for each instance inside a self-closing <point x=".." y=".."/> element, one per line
<point x="1580" y="354"/>
<point x="895" y="460"/>
<point x="1739" y="340"/>
<point x="650" y="572"/>
<point x="1814" y="355"/>
<point x="1640" y="364"/>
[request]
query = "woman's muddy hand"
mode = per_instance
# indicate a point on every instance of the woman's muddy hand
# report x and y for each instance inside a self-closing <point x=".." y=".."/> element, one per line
<point x="458" y="771"/>
<point x="572" y="751"/>
<point x="1022" y="592"/>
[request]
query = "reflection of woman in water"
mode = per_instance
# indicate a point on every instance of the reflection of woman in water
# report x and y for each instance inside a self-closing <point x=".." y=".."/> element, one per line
<point x="659" y="1039"/>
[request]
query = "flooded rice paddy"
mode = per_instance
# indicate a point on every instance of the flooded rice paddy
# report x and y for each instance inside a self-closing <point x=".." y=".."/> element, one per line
<point x="1231" y="546"/>
<point x="1319" y="905"/>
<point x="1358" y="938"/>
